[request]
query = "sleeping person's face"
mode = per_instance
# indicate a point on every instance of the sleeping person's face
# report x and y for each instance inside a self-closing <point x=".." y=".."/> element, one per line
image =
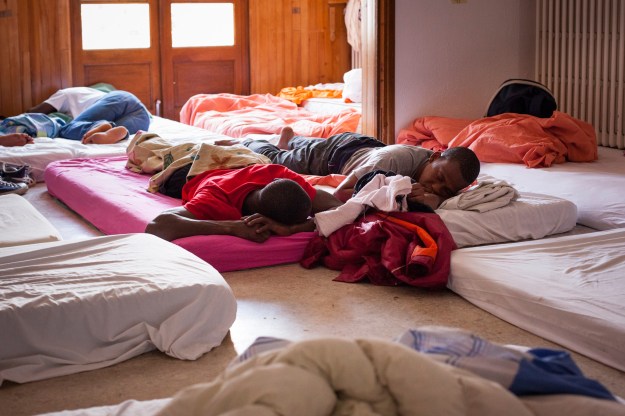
<point x="442" y="177"/>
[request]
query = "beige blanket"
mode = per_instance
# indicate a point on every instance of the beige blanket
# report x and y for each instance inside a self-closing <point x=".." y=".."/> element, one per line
<point x="366" y="377"/>
<point x="150" y="153"/>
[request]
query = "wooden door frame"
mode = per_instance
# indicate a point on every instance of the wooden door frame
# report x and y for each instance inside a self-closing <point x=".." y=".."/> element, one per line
<point x="378" y="66"/>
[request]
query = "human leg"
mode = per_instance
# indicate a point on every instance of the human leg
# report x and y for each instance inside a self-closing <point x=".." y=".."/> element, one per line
<point x="15" y="139"/>
<point x="117" y="108"/>
<point x="108" y="136"/>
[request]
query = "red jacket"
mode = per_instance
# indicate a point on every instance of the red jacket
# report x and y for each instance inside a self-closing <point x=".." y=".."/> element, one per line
<point x="388" y="249"/>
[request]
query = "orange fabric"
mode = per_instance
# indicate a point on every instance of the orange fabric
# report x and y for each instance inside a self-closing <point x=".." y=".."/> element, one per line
<point x="429" y="248"/>
<point x="509" y="138"/>
<point x="299" y="94"/>
<point x="238" y="116"/>
<point x="333" y="179"/>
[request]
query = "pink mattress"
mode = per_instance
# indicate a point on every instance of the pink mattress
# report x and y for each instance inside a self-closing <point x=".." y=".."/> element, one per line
<point x="116" y="201"/>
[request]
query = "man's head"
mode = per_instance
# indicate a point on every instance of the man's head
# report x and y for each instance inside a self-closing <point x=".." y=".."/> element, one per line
<point x="449" y="172"/>
<point x="284" y="201"/>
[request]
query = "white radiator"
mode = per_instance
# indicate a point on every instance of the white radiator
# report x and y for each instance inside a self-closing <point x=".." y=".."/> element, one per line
<point x="580" y="56"/>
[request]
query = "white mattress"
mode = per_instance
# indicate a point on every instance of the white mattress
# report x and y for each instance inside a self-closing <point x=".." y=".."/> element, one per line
<point x="46" y="150"/>
<point x="596" y="187"/>
<point x="67" y="307"/>
<point x="531" y="216"/>
<point x="569" y="290"/>
<point x="21" y="223"/>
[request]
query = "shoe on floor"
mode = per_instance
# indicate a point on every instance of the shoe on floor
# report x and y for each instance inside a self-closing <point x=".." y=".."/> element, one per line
<point x="16" y="173"/>
<point x="12" y="188"/>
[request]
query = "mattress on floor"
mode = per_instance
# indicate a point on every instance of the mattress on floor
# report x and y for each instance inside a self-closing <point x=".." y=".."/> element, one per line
<point x="21" y="223"/>
<point x="596" y="188"/>
<point x="46" y="150"/>
<point x="73" y="306"/>
<point x="116" y="201"/>
<point x="531" y="216"/>
<point x="569" y="290"/>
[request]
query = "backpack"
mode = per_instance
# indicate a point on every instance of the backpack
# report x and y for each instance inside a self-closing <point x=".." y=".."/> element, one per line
<point x="522" y="96"/>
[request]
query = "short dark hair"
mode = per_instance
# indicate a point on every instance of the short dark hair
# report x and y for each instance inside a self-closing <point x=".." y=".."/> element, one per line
<point x="285" y="201"/>
<point x="466" y="159"/>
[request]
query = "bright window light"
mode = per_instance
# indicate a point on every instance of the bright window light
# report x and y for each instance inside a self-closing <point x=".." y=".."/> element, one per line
<point x="115" y="26"/>
<point x="202" y="24"/>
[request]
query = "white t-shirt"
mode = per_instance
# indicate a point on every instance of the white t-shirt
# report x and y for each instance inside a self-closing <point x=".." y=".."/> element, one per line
<point x="74" y="100"/>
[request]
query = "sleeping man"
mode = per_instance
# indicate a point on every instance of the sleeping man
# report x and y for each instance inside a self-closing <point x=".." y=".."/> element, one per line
<point x="438" y="176"/>
<point x="253" y="202"/>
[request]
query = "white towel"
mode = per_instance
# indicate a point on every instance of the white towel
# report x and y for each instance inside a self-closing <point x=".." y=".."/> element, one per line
<point x="485" y="196"/>
<point x="381" y="193"/>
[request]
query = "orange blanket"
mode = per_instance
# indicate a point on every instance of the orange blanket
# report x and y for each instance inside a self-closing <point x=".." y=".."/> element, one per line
<point x="299" y="94"/>
<point x="509" y="138"/>
<point x="238" y="116"/>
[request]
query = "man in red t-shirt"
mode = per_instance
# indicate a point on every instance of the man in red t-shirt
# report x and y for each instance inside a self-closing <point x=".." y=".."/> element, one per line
<point x="252" y="203"/>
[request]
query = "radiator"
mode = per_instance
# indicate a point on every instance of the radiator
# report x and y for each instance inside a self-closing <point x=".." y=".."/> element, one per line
<point x="580" y="56"/>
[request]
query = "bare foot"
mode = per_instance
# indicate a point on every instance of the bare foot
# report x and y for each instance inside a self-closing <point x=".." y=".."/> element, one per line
<point x="285" y="136"/>
<point x="227" y="142"/>
<point x="15" y="139"/>
<point x="99" y="129"/>
<point x="108" y="137"/>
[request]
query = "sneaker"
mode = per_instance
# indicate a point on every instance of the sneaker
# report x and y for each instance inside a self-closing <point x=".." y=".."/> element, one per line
<point x="16" y="173"/>
<point x="12" y="188"/>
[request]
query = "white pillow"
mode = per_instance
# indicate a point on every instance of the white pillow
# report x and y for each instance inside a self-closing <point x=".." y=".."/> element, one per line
<point x="353" y="85"/>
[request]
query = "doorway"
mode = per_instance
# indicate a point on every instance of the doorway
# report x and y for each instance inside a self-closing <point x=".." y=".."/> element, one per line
<point x="163" y="51"/>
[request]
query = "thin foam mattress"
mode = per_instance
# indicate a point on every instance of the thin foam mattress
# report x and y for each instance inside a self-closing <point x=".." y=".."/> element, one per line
<point x="569" y="290"/>
<point x="116" y="201"/>
<point x="596" y="188"/>
<point x="21" y="223"/>
<point x="73" y="306"/>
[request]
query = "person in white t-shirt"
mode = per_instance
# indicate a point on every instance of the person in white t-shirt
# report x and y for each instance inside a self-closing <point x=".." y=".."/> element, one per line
<point x="71" y="101"/>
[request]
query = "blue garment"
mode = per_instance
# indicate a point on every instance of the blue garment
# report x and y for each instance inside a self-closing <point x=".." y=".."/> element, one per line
<point x="33" y="124"/>
<point x="119" y="108"/>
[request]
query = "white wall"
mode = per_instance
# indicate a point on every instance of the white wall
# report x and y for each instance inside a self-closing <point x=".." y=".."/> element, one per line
<point x="450" y="58"/>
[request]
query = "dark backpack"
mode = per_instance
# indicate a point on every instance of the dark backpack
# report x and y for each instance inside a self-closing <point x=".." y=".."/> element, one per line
<point x="522" y="96"/>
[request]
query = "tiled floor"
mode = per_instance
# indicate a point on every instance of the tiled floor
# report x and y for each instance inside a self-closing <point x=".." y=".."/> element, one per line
<point x="284" y="301"/>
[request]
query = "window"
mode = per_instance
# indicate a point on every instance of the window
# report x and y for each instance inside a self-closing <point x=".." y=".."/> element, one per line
<point x="202" y="24"/>
<point x="115" y="26"/>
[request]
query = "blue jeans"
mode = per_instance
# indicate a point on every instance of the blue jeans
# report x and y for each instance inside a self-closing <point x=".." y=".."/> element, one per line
<point x="119" y="108"/>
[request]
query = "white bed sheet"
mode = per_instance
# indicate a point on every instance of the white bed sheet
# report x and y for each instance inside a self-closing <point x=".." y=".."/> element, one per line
<point x="596" y="188"/>
<point x="328" y="105"/>
<point x="67" y="307"/>
<point x="531" y="216"/>
<point x="45" y="150"/>
<point x="569" y="290"/>
<point x="21" y="223"/>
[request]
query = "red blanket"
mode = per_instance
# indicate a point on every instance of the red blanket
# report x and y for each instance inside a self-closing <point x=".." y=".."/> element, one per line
<point x="509" y="138"/>
<point x="238" y="116"/>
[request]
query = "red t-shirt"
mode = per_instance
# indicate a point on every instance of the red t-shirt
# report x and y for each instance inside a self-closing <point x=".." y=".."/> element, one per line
<point x="219" y="194"/>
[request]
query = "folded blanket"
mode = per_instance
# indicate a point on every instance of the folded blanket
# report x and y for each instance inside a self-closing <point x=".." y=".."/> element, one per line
<point x="382" y="193"/>
<point x="485" y="196"/>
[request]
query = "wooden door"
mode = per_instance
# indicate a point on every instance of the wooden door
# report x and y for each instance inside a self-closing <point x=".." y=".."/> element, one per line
<point x="190" y="70"/>
<point x="133" y="69"/>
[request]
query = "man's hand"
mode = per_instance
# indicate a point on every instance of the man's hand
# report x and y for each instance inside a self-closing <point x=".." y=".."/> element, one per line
<point x="420" y="194"/>
<point x="250" y="231"/>
<point x="263" y="224"/>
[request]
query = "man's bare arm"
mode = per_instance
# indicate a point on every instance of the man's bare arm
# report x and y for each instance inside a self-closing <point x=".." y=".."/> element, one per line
<point x="178" y="223"/>
<point x="44" y="108"/>
<point x="325" y="201"/>
<point x="345" y="190"/>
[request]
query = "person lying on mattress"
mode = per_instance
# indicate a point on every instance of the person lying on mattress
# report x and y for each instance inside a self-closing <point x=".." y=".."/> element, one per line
<point x="438" y="176"/>
<point x="108" y="119"/>
<point x="253" y="202"/>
